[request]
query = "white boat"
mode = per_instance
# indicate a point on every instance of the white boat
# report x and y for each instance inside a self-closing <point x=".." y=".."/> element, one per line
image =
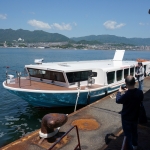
<point x="61" y="84"/>
<point x="41" y="47"/>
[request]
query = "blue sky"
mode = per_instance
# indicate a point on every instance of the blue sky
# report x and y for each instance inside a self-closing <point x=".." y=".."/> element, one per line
<point x="76" y="18"/>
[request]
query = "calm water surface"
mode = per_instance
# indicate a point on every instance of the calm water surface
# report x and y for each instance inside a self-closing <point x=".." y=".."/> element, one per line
<point x="17" y="117"/>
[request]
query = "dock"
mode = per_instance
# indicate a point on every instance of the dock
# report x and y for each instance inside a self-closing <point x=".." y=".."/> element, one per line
<point x="99" y="126"/>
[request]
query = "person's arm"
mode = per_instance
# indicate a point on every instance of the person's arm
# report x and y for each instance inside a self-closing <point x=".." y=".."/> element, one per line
<point x="120" y="99"/>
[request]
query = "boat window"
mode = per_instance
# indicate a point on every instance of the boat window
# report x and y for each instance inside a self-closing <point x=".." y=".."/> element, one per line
<point x="110" y="77"/>
<point x="119" y="75"/>
<point x="35" y="73"/>
<point x="44" y="74"/>
<point x="126" y="72"/>
<point x="84" y="75"/>
<point x="78" y="76"/>
<point x="131" y="71"/>
<point x="57" y="76"/>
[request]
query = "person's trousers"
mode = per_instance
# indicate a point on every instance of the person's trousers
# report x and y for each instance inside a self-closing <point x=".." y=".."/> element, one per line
<point x="130" y="131"/>
<point x="140" y="85"/>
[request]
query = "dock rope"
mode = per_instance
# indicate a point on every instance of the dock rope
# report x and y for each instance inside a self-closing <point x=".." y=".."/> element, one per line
<point x="78" y="94"/>
<point x="88" y="96"/>
<point x="48" y="135"/>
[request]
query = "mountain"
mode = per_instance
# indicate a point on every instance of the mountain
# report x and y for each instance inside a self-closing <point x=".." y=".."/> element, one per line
<point x="36" y="36"/>
<point x="31" y="36"/>
<point x="114" y="39"/>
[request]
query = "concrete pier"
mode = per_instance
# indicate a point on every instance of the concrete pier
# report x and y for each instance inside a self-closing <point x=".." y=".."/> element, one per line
<point x="99" y="127"/>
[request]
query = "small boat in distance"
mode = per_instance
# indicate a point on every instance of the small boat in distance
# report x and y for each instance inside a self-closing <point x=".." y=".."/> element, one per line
<point x="59" y="84"/>
<point x="41" y="47"/>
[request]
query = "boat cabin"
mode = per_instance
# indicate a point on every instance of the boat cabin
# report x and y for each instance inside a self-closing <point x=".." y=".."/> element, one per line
<point x="103" y="73"/>
<point x="69" y="74"/>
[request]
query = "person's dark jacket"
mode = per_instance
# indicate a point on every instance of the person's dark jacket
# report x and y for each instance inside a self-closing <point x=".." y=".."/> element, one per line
<point x="131" y="104"/>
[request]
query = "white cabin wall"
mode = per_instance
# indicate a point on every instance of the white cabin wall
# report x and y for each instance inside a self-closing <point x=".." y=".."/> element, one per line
<point x="100" y="79"/>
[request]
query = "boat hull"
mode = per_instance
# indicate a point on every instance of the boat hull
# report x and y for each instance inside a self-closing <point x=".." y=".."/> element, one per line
<point x="48" y="99"/>
<point x="55" y="98"/>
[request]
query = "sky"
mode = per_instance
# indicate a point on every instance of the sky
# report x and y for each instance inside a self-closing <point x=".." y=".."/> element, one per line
<point x="77" y="18"/>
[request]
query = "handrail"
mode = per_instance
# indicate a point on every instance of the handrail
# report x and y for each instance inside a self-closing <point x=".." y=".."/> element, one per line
<point x="18" y="75"/>
<point x="78" y="145"/>
<point x="13" y="71"/>
<point x="7" y="75"/>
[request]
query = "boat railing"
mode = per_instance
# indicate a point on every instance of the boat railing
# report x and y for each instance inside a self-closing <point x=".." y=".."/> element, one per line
<point x="11" y="78"/>
<point x="78" y="146"/>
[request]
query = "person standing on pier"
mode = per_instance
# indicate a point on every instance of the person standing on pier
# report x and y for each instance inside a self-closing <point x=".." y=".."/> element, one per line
<point x="140" y="74"/>
<point x="131" y="100"/>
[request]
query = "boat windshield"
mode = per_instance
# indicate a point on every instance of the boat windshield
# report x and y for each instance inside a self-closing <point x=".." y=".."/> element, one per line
<point x="78" y="76"/>
<point x="46" y="74"/>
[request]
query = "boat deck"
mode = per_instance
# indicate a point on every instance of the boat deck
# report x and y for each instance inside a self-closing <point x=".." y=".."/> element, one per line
<point x="25" y="84"/>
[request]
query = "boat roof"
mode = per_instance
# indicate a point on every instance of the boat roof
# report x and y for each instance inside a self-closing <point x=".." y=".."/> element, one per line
<point x="105" y="65"/>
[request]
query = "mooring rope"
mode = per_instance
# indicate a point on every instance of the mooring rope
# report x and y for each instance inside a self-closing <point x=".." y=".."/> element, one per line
<point x="88" y="96"/>
<point x="77" y="98"/>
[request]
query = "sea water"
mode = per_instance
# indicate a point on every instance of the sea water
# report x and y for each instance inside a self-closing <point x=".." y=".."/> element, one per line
<point x="17" y="117"/>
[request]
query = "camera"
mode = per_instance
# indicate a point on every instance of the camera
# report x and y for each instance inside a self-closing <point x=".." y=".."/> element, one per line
<point x="123" y="87"/>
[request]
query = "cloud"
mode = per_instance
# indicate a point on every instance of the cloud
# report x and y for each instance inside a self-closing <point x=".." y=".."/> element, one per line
<point x="62" y="26"/>
<point x="143" y="24"/>
<point x="3" y="16"/>
<point x="39" y="24"/>
<point x="113" y="25"/>
<point x="57" y="26"/>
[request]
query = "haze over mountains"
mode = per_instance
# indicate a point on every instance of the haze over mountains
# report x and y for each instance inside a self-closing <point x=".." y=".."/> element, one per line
<point x="10" y="35"/>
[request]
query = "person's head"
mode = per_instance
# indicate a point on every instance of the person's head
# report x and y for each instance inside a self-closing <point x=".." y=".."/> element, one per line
<point x="130" y="82"/>
<point x="140" y="64"/>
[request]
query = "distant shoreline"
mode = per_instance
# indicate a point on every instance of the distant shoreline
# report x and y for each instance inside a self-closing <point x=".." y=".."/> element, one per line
<point x="69" y="49"/>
